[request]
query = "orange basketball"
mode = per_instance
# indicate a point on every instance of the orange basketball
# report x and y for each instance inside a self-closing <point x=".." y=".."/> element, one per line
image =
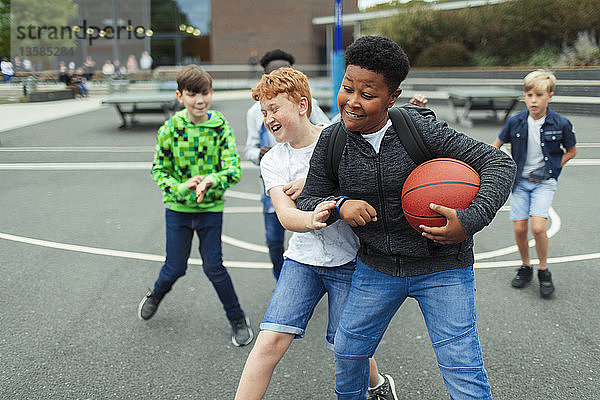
<point x="443" y="181"/>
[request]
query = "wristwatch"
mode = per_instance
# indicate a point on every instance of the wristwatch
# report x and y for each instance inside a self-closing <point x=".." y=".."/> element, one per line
<point x="338" y="204"/>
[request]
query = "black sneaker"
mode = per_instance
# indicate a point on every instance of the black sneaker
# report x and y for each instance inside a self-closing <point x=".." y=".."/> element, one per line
<point x="386" y="391"/>
<point x="546" y="285"/>
<point x="149" y="304"/>
<point x="241" y="332"/>
<point x="523" y="277"/>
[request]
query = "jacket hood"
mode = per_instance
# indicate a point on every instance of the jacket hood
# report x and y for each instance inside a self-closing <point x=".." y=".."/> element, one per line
<point x="215" y="119"/>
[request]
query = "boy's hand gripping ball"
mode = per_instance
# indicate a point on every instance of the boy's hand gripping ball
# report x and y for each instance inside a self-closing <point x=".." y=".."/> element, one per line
<point x="443" y="181"/>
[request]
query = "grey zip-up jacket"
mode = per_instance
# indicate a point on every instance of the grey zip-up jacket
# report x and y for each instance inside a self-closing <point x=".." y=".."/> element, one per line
<point x="390" y="245"/>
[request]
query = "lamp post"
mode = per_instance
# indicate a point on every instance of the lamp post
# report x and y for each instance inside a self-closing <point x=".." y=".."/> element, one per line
<point x="116" y="53"/>
<point x="337" y="57"/>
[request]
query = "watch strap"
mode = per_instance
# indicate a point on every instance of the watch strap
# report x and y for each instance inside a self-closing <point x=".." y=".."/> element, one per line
<point x="338" y="204"/>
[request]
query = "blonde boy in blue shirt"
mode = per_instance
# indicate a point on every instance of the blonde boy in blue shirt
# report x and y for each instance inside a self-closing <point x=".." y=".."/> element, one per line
<point x="542" y="142"/>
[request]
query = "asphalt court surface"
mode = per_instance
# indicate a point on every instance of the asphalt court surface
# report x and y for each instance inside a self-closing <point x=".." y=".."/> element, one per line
<point x="82" y="235"/>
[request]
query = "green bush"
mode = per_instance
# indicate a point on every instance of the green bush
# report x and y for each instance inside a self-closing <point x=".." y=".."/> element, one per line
<point x="516" y="32"/>
<point x="445" y="54"/>
<point x="544" y="57"/>
<point x="584" y="52"/>
<point x="485" y="60"/>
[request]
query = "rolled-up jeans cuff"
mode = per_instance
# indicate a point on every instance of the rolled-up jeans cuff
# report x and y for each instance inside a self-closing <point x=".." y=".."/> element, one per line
<point x="268" y="326"/>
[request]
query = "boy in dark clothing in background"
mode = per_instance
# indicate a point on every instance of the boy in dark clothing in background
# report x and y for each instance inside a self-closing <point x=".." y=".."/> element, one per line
<point x="195" y="162"/>
<point x="259" y="141"/>
<point x="394" y="260"/>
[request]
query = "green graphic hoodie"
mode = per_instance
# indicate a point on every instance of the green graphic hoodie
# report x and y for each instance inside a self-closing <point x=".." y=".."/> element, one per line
<point x="184" y="150"/>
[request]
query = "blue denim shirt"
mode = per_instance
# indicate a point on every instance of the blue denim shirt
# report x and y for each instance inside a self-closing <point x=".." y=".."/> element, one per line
<point x="556" y="135"/>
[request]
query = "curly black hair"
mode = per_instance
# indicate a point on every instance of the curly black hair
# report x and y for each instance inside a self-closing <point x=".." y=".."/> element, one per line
<point x="276" y="54"/>
<point x="380" y="55"/>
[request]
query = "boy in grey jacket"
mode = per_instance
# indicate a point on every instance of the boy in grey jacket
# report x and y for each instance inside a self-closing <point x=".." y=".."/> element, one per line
<point x="394" y="260"/>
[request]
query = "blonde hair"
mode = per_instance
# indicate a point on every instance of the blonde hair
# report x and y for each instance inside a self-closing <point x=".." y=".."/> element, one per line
<point x="284" y="80"/>
<point x="541" y="79"/>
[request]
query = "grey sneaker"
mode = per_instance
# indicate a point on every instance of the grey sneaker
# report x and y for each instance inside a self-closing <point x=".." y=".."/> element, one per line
<point x="546" y="285"/>
<point x="241" y="332"/>
<point x="149" y="304"/>
<point x="387" y="390"/>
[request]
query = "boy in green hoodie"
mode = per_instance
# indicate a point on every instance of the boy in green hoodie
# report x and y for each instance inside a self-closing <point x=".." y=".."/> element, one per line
<point x="195" y="162"/>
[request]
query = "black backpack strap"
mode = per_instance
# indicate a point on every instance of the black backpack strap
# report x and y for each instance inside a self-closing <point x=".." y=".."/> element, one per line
<point x="409" y="136"/>
<point x="403" y="125"/>
<point x="335" y="148"/>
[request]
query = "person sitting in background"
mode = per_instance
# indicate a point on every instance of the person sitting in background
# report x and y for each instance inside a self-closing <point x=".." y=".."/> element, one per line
<point x="108" y="69"/>
<point x="18" y="66"/>
<point x="27" y="64"/>
<point x="71" y="83"/>
<point x="88" y="66"/>
<point x="62" y="71"/>
<point x="132" y="64"/>
<point x="120" y="70"/>
<point x="80" y="80"/>
<point x="145" y="61"/>
<point x="7" y="69"/>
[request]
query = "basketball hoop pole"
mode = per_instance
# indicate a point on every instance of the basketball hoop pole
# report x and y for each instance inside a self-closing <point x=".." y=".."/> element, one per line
<point x="337" y="57"/>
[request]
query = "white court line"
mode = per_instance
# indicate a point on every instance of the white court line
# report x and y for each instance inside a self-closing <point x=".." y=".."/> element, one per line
<point x="246" y="264"/>
<point x="77" y="166"/>
<point x="242" y="195"/>
<point x="147" y="165"/>
<point x="244" y="245"/>
<point x="82" y="149"/>
<point x="582" y="161"/>
<point x="136" y="149"/>
<point x="552" y="260"/>
<point x="554" y="228"/>
<point x="242" y="210"/>
<point x="126" y="165"/>
<point x="123" y="254"/>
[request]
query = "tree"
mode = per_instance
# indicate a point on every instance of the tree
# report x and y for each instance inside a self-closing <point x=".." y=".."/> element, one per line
<point x="509" y="33"/>
<point x="39" y="28"/>
<point x="4" y="27"/>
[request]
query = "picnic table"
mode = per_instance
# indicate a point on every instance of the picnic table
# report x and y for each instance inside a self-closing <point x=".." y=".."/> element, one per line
<point x="130" y="104"/>
<point x="482" y="98"/>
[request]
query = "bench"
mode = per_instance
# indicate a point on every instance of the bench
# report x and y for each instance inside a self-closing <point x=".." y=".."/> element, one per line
<point x="130" y="104"/>
<point x="50" y="95"/>
<point x="482" y="98"/>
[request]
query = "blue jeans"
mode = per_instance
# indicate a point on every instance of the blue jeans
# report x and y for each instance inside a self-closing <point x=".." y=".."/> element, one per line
<point x="447" y="302"/>
<point x="297" y="293"/>
<point x="180" y="229"/>
<point x="275" y="235"/>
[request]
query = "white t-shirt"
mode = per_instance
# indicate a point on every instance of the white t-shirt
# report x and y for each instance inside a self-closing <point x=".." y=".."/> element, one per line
<point x="145" y="61"/>
<point x="7" y="68"/>
<point x="535" y="157"/>
<point x="375" y="138"/>
<point x="331" y="246"/>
